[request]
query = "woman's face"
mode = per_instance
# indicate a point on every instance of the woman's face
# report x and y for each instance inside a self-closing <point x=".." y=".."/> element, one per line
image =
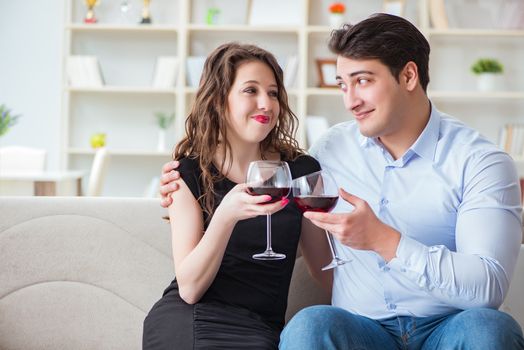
<point x="252" y="103"/>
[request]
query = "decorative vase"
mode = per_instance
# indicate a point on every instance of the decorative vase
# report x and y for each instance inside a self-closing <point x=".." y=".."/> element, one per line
<point x="336" y="20"/>
<point x="161" y="145"/>
<point x="490" y="82"/>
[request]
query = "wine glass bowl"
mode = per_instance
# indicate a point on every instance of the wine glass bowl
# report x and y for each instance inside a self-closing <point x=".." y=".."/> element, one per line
<point x="271" y="178"/>
<point x="318" y="192"/>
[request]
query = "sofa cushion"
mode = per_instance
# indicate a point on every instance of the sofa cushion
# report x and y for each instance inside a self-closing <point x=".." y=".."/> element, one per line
<point x="82" y="273"/>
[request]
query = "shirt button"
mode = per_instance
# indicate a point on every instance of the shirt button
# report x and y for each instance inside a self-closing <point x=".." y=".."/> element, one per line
<point x="386" y="269"/>
<point x="383" y="201"/>
<point x="391" y="306"/>
<point x="402" y="269"/>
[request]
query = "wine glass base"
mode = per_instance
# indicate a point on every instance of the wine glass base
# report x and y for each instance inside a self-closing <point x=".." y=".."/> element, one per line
<point x="335" y="263"/>
<point x="269" y="255"/>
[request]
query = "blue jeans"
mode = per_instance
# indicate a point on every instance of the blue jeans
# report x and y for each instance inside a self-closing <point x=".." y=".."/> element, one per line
<point x="329" y="327"/>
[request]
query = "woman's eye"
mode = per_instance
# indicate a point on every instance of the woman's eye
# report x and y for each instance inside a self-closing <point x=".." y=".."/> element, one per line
<point x="273" y="94"/>
<point x="250" y="90"/>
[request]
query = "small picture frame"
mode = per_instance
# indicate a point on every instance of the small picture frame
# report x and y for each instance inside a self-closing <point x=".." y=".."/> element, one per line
<point x="327" y="72"/>
<point x="394" y="7"/>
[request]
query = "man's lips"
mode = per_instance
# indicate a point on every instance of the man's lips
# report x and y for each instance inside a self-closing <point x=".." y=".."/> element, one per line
<point x="264" y="119"/>
<point x="362" y="115"/>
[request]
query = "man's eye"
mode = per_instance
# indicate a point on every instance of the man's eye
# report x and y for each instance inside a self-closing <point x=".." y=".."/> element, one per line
<point x="342" y="85"/>
<point x="362" y="81"/>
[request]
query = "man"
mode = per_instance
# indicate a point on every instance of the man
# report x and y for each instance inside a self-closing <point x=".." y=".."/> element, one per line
<point x="432" y="225"/>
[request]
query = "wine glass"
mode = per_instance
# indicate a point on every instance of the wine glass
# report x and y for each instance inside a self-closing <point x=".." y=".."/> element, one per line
<point x="318" y="192"/>
<point x="269" y="178"/>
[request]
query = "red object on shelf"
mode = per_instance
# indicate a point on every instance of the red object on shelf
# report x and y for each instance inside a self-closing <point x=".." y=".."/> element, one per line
<point x="337" y="7"/>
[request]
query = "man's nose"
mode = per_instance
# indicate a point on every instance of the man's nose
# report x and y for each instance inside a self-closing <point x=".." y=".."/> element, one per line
<point x="351" y="100"/>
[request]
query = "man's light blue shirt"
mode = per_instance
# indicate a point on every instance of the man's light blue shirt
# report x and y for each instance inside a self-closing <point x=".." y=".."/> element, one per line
<point x="455" y="199"/>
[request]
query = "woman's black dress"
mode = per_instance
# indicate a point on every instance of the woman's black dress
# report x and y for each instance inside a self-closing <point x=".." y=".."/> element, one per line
<point x="244" y="307"/>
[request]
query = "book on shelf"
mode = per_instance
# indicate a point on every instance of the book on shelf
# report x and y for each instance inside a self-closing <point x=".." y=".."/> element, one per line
<point x="510" y="14"/>
<point x="437" y="14"/>
<point x="195" y="66"/>
<point x="290" y="71"/>
<point x="511" y="139"/>
<point x="316" y="126"/>
<point x="275" y="12"/>
<point x="166" y="69"/>
<point x="84" y="71"/>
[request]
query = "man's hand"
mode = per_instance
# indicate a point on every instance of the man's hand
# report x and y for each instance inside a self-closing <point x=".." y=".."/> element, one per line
<point x="360" y="229"/>
<point x="167" y="182"/>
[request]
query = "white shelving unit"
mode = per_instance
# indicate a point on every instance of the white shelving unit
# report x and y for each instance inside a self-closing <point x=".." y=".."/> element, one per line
<point x="123" y="108"/>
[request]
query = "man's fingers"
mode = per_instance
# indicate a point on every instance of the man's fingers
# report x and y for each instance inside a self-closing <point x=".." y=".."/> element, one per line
<point x="166" y="201"/>
<point x="168" y="189"/>
<point x="350" y="198"/>
<point x="166" y="168"/>
<point x="321" y="217"/>
<point x="168" y="177"/>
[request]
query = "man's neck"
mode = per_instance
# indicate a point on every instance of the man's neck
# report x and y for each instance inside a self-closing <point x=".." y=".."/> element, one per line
<point x="399" y="142"/>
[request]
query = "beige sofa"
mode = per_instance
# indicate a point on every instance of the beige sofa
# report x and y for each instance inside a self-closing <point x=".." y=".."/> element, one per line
<point x="81" y="273"/>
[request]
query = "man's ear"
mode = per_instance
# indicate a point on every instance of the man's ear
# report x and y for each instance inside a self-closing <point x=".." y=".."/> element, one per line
<point x="409" y="76"/>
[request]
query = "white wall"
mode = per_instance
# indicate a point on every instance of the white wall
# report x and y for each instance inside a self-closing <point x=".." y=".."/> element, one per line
<point x="31" y="33"/>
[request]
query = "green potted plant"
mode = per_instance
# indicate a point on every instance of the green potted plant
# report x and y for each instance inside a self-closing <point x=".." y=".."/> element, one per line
<point x="489" y="74"/>
<point x="7" y="119"/>
<point x="164" y="121"/>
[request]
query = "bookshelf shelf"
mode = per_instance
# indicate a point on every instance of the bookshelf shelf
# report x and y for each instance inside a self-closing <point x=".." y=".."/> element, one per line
<point x="477" y="95"/>
<point x="323" y="92"/>
<point x="480" y="33"/>
<point x="122" y="90"/>
<point x="120" y="28"/>
<point x="243" y="28"/>
<point x="121" y="152"/>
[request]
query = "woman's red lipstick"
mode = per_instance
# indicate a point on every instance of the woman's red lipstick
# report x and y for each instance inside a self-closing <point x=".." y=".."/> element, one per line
<point x="264" y="119"/>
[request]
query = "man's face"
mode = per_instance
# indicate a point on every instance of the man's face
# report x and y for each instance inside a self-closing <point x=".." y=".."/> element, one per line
<point x="372" y="95"/>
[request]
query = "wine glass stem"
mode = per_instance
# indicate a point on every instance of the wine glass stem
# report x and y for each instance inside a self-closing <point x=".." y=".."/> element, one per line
<point x="331" y="245"/>
<point x="268" y="231"/>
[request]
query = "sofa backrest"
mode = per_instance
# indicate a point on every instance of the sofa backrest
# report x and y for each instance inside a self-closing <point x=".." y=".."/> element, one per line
<point x="82" y="273"/>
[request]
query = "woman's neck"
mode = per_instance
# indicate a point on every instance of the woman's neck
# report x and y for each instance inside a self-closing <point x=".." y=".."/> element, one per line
<point x="239" y="158"/>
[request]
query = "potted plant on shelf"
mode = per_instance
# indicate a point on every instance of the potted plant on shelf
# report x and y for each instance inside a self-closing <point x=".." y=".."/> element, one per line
<point x="98" y="140"/>
<point x="7" y="120"/>
<point x="336" y="14"/>
<point x="164" y="121"/>
<point x="489" y="74"/>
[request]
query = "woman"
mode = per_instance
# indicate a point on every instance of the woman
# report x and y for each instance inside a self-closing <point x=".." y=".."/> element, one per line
<point x="222" y="297"/>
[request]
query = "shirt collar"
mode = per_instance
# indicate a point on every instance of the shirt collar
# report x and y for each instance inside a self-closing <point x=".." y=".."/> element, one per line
<point x="425" y="145"/>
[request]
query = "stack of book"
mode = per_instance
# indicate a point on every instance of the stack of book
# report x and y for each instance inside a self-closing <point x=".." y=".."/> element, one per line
<point x="511" y="139"/>
<point x="84" y="71"/>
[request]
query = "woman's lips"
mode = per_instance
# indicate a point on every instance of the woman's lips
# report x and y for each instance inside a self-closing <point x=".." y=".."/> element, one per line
<point x="261" y="119"/>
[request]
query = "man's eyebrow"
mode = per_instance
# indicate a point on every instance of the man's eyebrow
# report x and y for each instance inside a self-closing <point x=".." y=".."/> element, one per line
<point x="357" y="73"/>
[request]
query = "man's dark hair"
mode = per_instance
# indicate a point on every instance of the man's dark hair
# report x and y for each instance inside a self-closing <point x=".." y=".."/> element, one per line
<point x="391" y="39"/>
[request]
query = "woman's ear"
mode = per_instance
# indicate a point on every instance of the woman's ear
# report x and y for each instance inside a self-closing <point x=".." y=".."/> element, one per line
<point x="409" y="76"/>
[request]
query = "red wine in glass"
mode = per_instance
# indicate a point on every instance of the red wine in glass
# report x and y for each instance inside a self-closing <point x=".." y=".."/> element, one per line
<point x="323" y="204"/>
<point x="276" y="193"/>
<point x="273" y="178"/>
<point x="318" y="192"/>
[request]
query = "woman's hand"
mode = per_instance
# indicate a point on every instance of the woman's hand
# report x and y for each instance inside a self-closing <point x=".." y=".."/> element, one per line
<point x="238" y="205"/>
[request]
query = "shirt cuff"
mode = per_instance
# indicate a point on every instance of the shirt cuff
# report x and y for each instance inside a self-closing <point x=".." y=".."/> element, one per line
<point x="411" y="255"/>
